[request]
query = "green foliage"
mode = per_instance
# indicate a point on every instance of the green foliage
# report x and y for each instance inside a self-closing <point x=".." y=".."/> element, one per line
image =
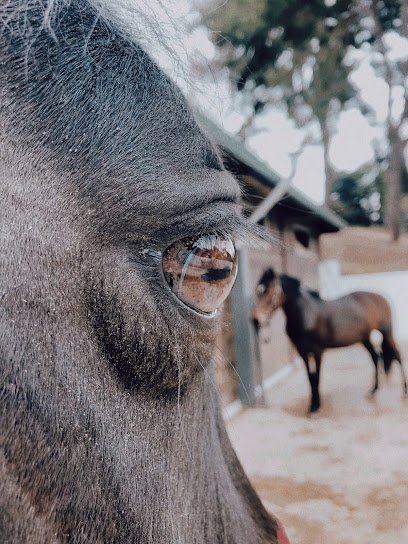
<point x="294" y="47"/>
<point x="294" y="53"/>
<point x="359" y="197"/>
<point x="237" y="20"/>
<point x="389" y="13"/>
<point x="358" y="201"/>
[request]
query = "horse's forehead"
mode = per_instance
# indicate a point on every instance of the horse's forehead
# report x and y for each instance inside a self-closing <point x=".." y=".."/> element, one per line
<point x="100" y="106"/>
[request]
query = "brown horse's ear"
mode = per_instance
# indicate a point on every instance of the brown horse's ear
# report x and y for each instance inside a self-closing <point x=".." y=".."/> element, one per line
<point x="290" y="286"/>
<point x="267" y="277"/>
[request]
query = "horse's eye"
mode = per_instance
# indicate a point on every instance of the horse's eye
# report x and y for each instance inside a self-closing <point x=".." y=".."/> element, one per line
<point x="201" y="271"/>
<point x="260" y="290"/>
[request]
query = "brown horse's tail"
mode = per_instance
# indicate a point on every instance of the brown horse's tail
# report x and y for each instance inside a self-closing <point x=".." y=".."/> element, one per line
<point x="390" y="351"/>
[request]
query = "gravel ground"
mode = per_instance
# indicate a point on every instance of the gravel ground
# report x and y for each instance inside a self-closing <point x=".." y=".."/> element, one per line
<point x="340" y="477"/>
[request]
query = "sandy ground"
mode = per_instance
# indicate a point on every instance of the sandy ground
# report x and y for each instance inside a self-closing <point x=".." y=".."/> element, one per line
<point x="340" y="477"/>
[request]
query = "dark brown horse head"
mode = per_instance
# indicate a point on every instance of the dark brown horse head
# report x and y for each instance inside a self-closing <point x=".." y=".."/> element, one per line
<point x="269" y="297"/>
<point x="116" y="224"/>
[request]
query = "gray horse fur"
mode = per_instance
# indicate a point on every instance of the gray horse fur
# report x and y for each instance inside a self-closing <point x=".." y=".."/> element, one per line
<point x="110" y="421"/>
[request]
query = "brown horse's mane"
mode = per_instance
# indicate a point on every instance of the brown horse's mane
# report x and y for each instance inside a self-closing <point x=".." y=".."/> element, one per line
<point x="111" y="429"/>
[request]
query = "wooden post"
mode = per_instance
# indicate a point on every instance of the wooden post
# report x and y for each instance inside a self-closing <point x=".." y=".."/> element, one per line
<point x="283" y="248"/>
<point x="247" y="358"/>
<point x="246" y="342"/>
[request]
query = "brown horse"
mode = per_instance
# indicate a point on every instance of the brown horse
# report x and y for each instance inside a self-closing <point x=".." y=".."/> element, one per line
<point x="116" y="223"/>
<point x="314" y="325"/>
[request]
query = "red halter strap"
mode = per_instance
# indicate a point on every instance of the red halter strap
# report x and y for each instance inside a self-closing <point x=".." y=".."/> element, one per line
<point x="282" y="537"/>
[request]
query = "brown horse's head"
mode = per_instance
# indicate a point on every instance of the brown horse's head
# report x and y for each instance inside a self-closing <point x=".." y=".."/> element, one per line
<point x="269" y="297"/>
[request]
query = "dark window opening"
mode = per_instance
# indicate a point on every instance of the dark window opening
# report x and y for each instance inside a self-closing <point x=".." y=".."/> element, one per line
<point x="303" y="237"/>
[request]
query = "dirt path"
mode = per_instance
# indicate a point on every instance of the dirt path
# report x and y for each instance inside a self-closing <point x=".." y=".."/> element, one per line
<point x="340" y="477"/>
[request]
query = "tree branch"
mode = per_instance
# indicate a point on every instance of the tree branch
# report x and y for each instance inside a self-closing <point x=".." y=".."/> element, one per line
<point x="246" y="125"/>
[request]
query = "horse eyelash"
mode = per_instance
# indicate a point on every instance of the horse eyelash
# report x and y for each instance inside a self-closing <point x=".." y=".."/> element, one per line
<point x="253" y="236"/>
<point x="243" y="233"/>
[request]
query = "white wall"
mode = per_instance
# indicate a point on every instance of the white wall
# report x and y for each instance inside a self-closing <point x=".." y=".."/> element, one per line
<point x="393" y="285"/>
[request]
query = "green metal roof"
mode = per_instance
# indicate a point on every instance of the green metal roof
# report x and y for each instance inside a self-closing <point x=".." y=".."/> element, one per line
<point x="234" y="147"/>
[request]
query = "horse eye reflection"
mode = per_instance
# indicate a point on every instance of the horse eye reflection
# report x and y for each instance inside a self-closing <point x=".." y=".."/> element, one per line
<point x="201" y="272"/>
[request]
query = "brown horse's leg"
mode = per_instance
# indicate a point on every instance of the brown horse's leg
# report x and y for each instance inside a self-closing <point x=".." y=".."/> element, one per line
<point x="315" y="383"/>
<point x="374" y="356"/>
<point x="313" y="380"/>
<point x="391" y="352"/>
<point x="395" y="354"/>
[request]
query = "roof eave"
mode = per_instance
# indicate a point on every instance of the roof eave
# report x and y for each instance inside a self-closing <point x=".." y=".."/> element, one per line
<point x="266" y="175"/>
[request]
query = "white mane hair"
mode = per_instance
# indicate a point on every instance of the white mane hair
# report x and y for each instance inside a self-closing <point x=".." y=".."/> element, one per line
<point x="159" y="27"/>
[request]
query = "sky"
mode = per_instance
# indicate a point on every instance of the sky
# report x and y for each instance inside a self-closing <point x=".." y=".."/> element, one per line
<point x="276" y="136"/>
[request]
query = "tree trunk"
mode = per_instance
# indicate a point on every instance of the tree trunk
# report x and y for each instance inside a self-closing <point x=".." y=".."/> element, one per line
<point x="393" y="177"/>
<point x="329" y="173"/>
<point x="393" y="189"/>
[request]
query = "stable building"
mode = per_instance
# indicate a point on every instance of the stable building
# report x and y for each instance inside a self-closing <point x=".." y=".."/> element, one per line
<point x="246" y="366"/>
